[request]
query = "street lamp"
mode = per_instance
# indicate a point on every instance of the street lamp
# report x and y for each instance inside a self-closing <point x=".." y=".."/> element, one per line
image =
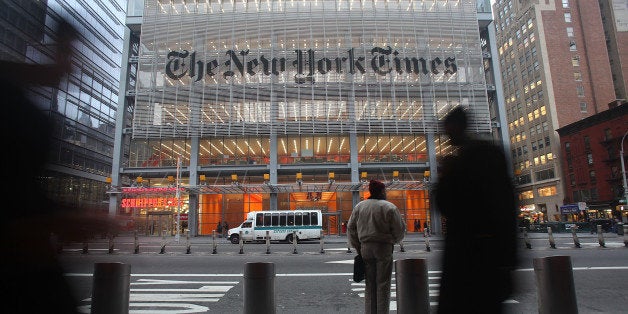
<point x="623" y="169"/>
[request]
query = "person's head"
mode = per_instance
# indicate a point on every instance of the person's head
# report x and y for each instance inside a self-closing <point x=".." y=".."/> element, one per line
<point x="377" y="190"/>
<point x="455" y="124"/>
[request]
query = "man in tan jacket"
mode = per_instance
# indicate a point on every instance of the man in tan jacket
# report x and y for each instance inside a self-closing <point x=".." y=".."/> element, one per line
<point x="374" y="228"/>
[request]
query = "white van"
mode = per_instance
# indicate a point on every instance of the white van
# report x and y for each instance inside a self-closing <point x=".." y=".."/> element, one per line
<point x="280" y="225"/>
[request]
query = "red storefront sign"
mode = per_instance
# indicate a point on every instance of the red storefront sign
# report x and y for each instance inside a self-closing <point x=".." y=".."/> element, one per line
<point x="150" y="202"/>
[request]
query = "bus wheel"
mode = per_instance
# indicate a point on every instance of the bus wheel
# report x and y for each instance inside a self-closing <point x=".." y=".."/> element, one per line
<point x="235" y="239"/>
<point x="289" y="238"/>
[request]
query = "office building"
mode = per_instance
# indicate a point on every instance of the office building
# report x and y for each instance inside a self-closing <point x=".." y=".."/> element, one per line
<point x="555" y="72"/>
<point x="236" y="106"/>
<point x="83" y="107"/>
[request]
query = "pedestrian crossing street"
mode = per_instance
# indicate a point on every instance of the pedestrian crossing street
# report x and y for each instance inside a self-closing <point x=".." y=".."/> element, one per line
<point x="433" y="283"/>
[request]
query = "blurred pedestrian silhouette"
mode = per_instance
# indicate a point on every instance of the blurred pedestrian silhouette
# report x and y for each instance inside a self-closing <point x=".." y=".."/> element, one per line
<point x="374" y="227"/>
<point x="475" y="195"/>
<point x="32" y="278"/>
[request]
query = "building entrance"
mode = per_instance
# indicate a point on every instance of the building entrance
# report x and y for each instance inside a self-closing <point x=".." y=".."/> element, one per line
<point x="159" y="223"/>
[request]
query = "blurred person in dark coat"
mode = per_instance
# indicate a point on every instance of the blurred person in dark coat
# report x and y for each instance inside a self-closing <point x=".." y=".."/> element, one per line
<point x="475" y="195"/>
<point x="32" y="279"/>
<point x="374" y="227"/>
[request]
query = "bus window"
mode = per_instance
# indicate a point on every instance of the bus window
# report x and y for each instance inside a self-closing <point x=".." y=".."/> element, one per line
<point x="314" y="219"/>
<point x="290" y="219"/>
<point x="275" y="220"/>
<point x="259" y="219"/>
<point x="266" y="219"/>
<point x="282" y="219"/>
<point x="298" y="219"/>
<point x="247" y="224"/>
<point x="306" y="219"/>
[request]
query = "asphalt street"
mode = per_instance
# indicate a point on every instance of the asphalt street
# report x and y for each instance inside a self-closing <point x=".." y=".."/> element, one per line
<point x="316" y="278"/>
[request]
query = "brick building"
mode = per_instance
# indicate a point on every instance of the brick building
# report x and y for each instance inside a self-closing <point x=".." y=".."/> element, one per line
<point x="592" y="164"/>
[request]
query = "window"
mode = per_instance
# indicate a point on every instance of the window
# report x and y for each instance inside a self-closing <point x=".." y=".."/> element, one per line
<point x="587" y="143"/>
<point x="583" y="107"/>
<point x="608" y="134"/>
<point x="526" y="195"/>
<point x="572" y="46"/>
<point x="306" y="219"/>
<point x="592" y="176"/>
<point x="567" y="17"/>
<point x="580" y="91"/>
<point x="569" y="31"/>
<point x="568" y="147"/>
<point x="572" y="179"/>
<point x="575" y="61"/>
<point x="565" y="4"/>
<point x="590" y="159"/>
<point x="577" y="76"/>
<point x="547" y="191"/>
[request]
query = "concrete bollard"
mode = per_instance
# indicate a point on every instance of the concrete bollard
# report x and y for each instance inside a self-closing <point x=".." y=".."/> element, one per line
<point x="163" y="243"/>
<point x="626" y="235"/>
<point x="214" y="245"/>
<point x="322" y="242"/>
<point x="576" y="242"/>
<point x="556" y="292"/>
<point x="427" y="241"/>
<point x="110" y="244"/>
<point x="550" y="236"/>
<point x="111" y="288"/>
<point x="600" y="236"/>
<point x="526" y="239"/>
<point x="294" y="242"/>
<point x="267" y="242"/>
<point x="413" y="294"/>
<point x="259" y="288"/>
<point x="136" y="243"/>
<point x="188" y="246"/>
<point x="241" y="244"/>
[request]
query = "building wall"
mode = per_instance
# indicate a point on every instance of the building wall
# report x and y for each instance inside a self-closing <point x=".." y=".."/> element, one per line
<point x="601" y="156"/>
<point x="539" y="41"/>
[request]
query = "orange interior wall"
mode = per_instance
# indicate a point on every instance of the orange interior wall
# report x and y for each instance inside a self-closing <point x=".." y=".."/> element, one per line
<point x="417" y="206"/>
<point x="209" y="213"/>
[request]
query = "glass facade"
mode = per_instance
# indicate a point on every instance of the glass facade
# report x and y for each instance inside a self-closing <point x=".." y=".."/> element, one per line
<point x="295" y="104"/>
<point x="84" y="105"/>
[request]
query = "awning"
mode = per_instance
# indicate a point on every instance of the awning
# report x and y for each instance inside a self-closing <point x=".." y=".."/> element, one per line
<point x="239" y="188"/>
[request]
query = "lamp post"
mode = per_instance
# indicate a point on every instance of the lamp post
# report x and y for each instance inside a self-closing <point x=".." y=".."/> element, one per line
<point x="623" y="169"/>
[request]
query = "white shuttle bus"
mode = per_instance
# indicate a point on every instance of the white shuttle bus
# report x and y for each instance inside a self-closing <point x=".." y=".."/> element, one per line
<point x="280" y="225"/>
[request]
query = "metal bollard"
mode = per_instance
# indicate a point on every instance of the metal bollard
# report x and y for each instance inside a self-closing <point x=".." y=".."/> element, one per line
<point x="214" y="246"/>
<point x="294" y="242"/>
<point x="110" y="244"/>
<point x="136" y="243"/>
<point x="111" y="288"/>
<point x="550" y="236"/>
<point x="163" y="243"/>
<point x="556" y="292"/>
<point x="259" y="288"/>
<point x="526" y="238"/>
<point x="413" y="293"/>
<point x="576" y="242"/>
<point x="322" y="242"/>
<point x="267" y="242"/>
<point x="427" y="241"/>
<point x="188" y="249"/>
<point x="241" y="243"/>
<point x="600" y="236"/>
<point x="626" y="235"/>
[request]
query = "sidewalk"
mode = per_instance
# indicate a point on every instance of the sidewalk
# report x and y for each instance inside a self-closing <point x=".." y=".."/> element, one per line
<point x="410" y="237"/>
